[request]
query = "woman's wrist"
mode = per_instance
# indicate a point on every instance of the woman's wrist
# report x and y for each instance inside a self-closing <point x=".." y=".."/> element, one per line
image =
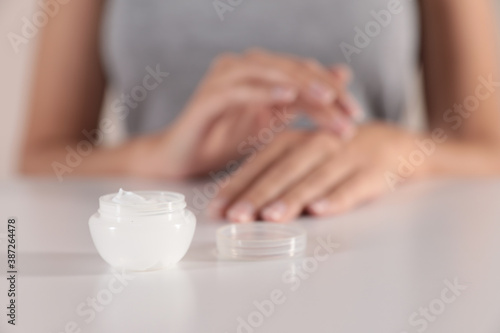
<point x="457" y="157"/>
<point x="153" y="156"/>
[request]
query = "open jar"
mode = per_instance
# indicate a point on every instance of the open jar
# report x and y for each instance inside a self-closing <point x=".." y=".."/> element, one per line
<point x="145" y="230"/>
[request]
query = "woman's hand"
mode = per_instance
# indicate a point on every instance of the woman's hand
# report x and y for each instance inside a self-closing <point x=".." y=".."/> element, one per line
<point x="316" y="172"/>
<point x="260" y="78"/>
<point x="240" y="94"/>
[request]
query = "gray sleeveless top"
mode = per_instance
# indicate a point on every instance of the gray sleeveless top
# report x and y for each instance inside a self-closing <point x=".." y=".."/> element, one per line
<point x="378" y="38"/>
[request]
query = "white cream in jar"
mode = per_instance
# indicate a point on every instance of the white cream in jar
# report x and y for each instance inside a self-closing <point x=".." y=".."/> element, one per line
<point x="144" y="230"/>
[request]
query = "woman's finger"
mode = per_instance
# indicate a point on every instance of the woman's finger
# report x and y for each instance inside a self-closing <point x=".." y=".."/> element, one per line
<point x="347" y="103"/>
<point x="340" y="123"/>
<point x="316" y="82"/>
<point x="319" y="89"/>
<point x="337" y="77"/>
<point x="232" y="69"/>
<point x="239" y="96"/>
<point x="260" y="156"/>
<point x="315" y="185"/>
<point x="354" y="191"/>
<point x="341" y="72"/>
<point x="283" y="173"/>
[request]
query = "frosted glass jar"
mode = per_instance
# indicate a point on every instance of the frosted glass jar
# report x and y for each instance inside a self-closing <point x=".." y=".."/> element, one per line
<point x="144" y="230"/>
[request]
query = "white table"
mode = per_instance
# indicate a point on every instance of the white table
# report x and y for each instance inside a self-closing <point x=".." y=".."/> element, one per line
<point x="394" y="258"/>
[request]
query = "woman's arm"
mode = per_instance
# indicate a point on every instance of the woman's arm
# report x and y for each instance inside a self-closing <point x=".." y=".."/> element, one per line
<point x="459" y="44"/>
<point x="462" y="84"/>
<point x="67" y="94"/>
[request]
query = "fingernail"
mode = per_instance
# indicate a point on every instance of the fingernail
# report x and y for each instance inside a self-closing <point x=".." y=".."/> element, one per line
<point x="275" y="211"/>
<point x="319" y="207"/>
<point x="355" y="109"/>
<point x="216" y="206"/>
<point x="321" y="93"/>
<point x="241" y="212"/>
<point x="283" y="93"/>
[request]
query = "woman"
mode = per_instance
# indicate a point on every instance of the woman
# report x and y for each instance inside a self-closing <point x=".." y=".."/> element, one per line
<point x="219" y="86"/>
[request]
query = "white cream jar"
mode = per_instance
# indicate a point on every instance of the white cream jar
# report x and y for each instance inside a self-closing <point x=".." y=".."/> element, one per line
<point x="143" y="230"/>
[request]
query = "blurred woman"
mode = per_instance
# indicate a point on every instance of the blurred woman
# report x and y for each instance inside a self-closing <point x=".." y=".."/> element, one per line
<point x="197" y="79"/>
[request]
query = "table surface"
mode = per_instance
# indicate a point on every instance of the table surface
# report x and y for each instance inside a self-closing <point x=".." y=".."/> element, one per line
<point x="423" y="259"/>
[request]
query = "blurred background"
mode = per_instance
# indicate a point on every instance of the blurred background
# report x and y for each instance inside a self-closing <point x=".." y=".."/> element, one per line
<point x="15" y="70"/>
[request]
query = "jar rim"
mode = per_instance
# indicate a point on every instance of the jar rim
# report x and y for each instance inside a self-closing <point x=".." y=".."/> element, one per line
<point x="165" y="202"/>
